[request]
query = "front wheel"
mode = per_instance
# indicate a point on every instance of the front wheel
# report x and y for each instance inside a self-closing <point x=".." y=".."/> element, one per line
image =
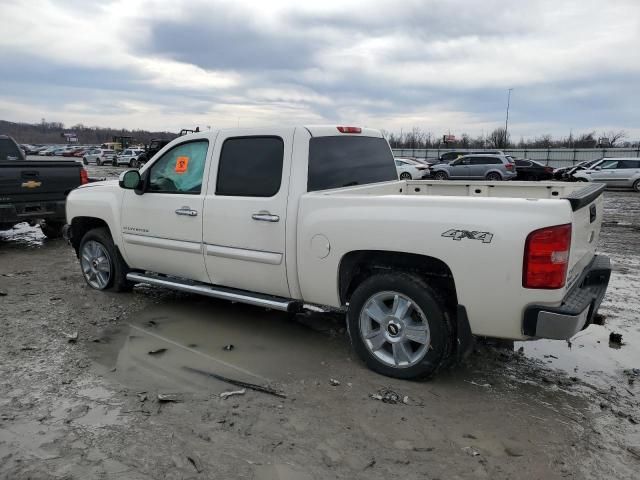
<point x="398" y="326"/>
<point x="84" y="160"/>
<point x="98" y="162"/>
<point x="440" y="176"/>
<point x="405" y="176"/>
<point x="102" y="266"/>
<point x="494" y="177"/>
<point x="636" y="186"/>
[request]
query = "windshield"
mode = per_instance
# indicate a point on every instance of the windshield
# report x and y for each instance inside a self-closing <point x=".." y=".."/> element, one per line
<point x="343" y="161"/>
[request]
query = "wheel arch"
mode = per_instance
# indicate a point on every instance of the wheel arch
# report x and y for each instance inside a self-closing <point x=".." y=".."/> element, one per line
<point x="358" y="265"/>
<point x="79" y="226"/>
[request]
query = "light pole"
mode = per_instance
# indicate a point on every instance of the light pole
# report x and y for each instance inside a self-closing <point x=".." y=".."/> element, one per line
<point x="506" y="122"/>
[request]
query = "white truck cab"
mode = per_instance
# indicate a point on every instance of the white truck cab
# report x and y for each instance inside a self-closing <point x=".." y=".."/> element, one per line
<point x="287" y="217"/>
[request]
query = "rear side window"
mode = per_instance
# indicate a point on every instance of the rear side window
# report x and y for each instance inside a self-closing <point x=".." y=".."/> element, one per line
<point x="629" y="164"/>
<point x="250" y="167"/>
<point x="485" y="161"/>
<point x="343" y="161"/>
<point x="9" y="150"/>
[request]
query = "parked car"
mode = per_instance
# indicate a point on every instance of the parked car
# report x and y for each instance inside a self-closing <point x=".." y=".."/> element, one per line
<point x="129" y="157"/>
<point x="411" y="170"/>
<point x="47" y="152"/>
<point x="70" y="152"/>
<point x="614" y="172"/>
<point x="34" y="191"/>
<point x="453" y="154"/>
<point x="532" y="170"/>
<point x="566" y="173"/>
<point x="99" y="156"/>
<point x="286" y="218"/>
<point x="476" y="167"/>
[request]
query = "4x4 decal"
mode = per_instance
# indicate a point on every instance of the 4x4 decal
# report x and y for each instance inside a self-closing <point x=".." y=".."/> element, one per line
<point x="458" y="235"/>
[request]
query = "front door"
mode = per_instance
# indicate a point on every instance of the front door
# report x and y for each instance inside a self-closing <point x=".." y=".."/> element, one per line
<point x="459" y="168"/>
<point x="162" y="228"/>
<point x="606" y="173"/>
<point x="245" y="208"/>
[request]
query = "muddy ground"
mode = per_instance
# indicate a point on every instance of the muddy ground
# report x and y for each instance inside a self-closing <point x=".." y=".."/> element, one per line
<point x="88" y="407"/>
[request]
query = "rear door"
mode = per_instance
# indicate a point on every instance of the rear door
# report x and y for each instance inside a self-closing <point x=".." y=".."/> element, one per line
<point x="162" y="228"/>
<point x="626" y="171"/>
<point x="245" y="208"/>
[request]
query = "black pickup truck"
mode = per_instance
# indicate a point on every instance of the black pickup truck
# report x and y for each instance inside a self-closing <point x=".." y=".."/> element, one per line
<point x="35" y="191"/>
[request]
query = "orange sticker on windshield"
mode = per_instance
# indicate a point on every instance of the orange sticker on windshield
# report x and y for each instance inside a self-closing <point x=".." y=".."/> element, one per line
<point x="181" y="164"/>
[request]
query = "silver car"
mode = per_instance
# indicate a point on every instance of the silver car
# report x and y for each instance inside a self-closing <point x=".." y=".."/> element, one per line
<point x="476" y="167"/>
<point x="614" y="172"/>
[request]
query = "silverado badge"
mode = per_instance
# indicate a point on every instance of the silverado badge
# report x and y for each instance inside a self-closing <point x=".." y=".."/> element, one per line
<point x="31" y="184"/>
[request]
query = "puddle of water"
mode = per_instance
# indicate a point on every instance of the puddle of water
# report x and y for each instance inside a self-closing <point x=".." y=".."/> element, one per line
<point x="267" y="347"/>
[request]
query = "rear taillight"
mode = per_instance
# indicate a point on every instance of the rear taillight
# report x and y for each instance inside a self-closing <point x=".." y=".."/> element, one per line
<point x="84" y="176"/>
<point x="509" y="166"/>
<point x="349" y="129"/>
<point x="546" y="257"/>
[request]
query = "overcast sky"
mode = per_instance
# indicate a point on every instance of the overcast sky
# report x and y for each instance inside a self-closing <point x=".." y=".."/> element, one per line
<point x="440" y="65"/>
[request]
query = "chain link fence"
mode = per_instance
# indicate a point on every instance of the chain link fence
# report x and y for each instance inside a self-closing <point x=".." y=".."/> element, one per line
<point x="554" y="157"/>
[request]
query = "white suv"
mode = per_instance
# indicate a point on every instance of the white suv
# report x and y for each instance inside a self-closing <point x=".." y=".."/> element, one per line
<point x="129" y="157"/>
<point x="99" y="156"/>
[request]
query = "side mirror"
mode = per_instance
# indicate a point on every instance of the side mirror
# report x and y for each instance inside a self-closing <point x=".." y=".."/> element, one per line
<point x="130" y="180"/>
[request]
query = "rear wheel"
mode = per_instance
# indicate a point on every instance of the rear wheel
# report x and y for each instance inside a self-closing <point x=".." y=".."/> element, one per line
<point x="399" y="326"/>
<point x="98" y="162"/>
<point x="494" y="177"/>
<point x="405" y="176"/>
<point x="84" y="160"/>
<point x="636" y="185"/>
<point x="102" y="266"/>
<point x="440" y="176"/>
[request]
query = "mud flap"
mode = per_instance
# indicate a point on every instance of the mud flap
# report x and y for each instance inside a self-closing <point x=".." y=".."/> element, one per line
<point x="464" y="337"/>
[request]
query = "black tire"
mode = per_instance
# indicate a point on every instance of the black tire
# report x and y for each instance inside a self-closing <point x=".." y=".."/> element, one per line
<point x="132" y="163"/>
<point x="118" y="279"/>
<point x="493" y="177"/>
<point x="405" y="176"/>
<point x="114" y="162"/>
<point x="636" y="186"/>
<point x="52" y="229"/>
<point x="441" y="175"/>
<point x="84" y="160"/>
<point x="98" y="162"/>
<point x="422" y="295"/>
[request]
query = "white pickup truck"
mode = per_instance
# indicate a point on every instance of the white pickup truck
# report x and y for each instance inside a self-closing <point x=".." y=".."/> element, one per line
<point x="289" y="218"/>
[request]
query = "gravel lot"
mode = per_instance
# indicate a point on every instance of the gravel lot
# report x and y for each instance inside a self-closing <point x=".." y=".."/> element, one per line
<point x="89" y="407"/>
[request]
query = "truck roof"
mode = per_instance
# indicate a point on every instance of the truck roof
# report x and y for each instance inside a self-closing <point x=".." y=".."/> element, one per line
<point x="314" y="131"/>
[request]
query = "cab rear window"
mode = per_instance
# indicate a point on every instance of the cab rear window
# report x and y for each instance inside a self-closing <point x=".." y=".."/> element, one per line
<point x="344" y="161"/>
<point x="9" y="150"/>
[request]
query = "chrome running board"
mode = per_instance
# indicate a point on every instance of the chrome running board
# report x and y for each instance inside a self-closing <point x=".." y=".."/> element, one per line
<point x="242" y="296"/>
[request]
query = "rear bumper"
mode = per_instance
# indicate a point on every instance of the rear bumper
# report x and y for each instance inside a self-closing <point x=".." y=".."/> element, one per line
<point x="578" y="307"/>
<point x="27" y="211"/>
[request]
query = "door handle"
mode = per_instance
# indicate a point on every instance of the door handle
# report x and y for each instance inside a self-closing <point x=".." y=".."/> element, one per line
<point x="265" y="217"/>
<point x="186" y="211"/>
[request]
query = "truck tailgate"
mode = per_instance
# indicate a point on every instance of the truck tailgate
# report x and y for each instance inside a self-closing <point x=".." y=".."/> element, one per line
<point x="587" y="206"/>
<point x="25" y="181"/>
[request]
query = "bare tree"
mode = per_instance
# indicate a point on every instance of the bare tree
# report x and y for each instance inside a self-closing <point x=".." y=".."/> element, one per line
<point x="499" y="138"/>
<point x="614" y="137"/>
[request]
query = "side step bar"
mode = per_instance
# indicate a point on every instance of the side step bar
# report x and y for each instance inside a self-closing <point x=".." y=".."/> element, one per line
<point x="242" y="296"/>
